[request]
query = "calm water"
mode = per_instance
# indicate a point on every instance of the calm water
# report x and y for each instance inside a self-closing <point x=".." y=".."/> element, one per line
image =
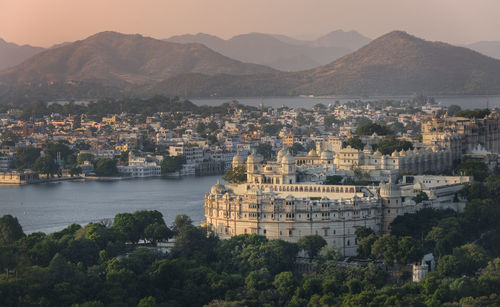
<point x="52" y="207"/>
<point x="465" y="102"/>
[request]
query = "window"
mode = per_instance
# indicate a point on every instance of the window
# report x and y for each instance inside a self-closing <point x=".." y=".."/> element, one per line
<point x="264" y="231"/>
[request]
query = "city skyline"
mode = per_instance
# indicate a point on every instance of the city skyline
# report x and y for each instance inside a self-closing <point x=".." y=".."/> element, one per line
<point x="56" y="21"/>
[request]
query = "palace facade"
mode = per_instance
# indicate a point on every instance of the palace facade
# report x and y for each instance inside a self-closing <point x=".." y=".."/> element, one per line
<point x="275" y="202"/>
<point x="463" y="135"/>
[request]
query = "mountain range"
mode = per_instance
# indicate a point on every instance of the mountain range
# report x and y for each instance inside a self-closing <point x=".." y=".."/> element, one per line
<point x="114" y="64"/>
<point x="114" y="58"/>
<point x="394" y="64"/>
<point x="12" y="54"/>
<point x="279" y="51"/>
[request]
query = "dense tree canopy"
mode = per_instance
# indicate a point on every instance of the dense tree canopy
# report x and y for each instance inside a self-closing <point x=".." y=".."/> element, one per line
<point x="370" y="128"/>
<point x="105" y="167"/>
<point x="172" y="164"/>
<point x="236" y="174"/>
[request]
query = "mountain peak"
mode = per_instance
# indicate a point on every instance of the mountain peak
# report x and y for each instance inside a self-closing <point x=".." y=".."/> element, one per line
<point x="117" y="58"/>
<point x="398" y="34"/>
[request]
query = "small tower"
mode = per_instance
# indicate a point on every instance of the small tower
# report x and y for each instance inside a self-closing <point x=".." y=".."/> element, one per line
<point x="392" y="203"/>
<point x="288" y="169"/>
<point x="238" y="160"/>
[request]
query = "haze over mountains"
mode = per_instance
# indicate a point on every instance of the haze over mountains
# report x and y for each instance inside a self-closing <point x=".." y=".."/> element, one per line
<point x="394" y="64"/>
<point x="114" y="64"/>
<point x="114" y="58"/>
<point x="279" y="51"/>
<point x="12" y="54"/>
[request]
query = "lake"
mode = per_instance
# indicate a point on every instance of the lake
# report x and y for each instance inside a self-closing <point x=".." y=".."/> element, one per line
<point x="53" y="206"/>
<point x="465" y="102"/>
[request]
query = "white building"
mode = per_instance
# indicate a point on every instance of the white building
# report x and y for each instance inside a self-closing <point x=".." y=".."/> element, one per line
<point x="140" y="167"/>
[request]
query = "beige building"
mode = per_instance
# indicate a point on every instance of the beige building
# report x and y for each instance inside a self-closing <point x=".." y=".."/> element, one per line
<point x="18" y="178"/>
<point x="462" y="135"/>
<point x="275" y="202"/>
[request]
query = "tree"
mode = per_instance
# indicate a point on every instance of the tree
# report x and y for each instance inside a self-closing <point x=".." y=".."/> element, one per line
<point x="470" y="258"/>
<point x="25" y="157"/>
<point x="265" y="150"/>
<point x="476" y="113"/>
<point x="448" y="265"/>
<point x="296" y="148"/>
<point x="82" y="157"/>
<point x="390" y="144"/>
<point x="106" y="167"/>
<point x="362" y="232"/>
<point x="127" y="226"/>
<point x="366" y="237"/>
<point x="236" y="174"/>
<point x="75" y="171"/>
<point x="172" y="164"/>
<point x="409" y="250"/>
<point x="147" y="302"/>
<point x="284" y="282"/>
<point x="386" y="248"/>
<point x="354" y="142"/>
<point x="370" y="128"/>
<point x="181" y="222"/>
<point x="420" y="197"/>
<point x="46" y="165"/>
<point x="365" y="245"/>
<point x="329" y="120"/>
<point x="10" y="230"/>
<point x="312" y="244"/>
<point x="157" y="232"/>
<point x="66" y="154"/>
<point x="333" y="180"/>
<point x="453" y="109"/>
<point x="477" y="169"/>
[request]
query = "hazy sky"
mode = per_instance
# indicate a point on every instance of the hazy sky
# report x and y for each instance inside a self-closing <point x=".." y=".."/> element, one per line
<point x="47" y="22"/>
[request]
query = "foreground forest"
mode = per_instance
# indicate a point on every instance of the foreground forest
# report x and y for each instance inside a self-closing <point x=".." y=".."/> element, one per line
<point x="104" y="265"/>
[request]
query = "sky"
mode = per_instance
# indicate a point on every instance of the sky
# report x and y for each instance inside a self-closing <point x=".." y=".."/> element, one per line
<point x="48" y="22"/>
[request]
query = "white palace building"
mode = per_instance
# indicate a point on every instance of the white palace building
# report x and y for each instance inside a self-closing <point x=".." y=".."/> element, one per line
<point x="278" y="203"/>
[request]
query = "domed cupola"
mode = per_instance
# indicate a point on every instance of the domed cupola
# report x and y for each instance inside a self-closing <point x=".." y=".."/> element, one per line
<point x="254" y="158"/>
<point x="238" y="159"/>
<point x="389" y="190"/>
<point x="218" y="188"/>
<point x="326" y="155"/>
<point x="288" y="159"/>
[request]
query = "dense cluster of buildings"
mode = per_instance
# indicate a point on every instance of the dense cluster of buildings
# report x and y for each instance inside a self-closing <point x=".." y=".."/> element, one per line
<point x="287" y="198"/>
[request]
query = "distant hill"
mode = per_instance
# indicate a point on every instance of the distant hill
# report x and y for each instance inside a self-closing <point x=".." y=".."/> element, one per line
<point x="491" y="49"/>
<point x="347" y="39"/>
<point x="12" y="54"/>
<point x="119" y="59"/>
<point x="399" y="63"/>
<point x="279" y="51"/>
<point x="112" y="64"/>
<point x="394" y="64"/>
